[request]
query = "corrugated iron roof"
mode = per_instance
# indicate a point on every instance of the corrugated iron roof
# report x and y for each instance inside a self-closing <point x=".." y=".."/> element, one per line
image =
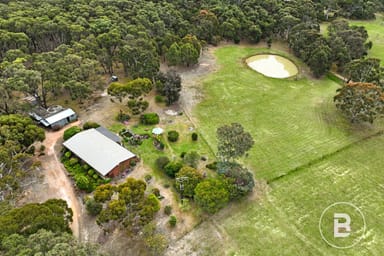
<point x="58" y="116"/>
<point x="97" y="150"/>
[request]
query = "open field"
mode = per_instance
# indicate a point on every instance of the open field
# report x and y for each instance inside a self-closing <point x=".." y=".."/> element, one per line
<point x="293" y="122"/>
<point x="299" y="132"/>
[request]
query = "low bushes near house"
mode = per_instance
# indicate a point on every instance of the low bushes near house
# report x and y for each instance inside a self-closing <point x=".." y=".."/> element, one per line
<point x="122" y="117"/>
<point x="168" y="210"/>
<point x="85" y="178"/>
<point x="194" y="136"/>
<point x="68" y="133"/>
<point x="161" y="162"/>
<point x="172" y="168"/>
<point x="90" y="125"/>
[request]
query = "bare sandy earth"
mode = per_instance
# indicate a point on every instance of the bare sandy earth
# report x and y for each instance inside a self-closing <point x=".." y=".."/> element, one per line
<point x="56" y="184"/>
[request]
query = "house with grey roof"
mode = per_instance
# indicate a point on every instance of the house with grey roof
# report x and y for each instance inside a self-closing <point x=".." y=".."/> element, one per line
<point x="101" y="152"/>
<point x="55" y="117"/>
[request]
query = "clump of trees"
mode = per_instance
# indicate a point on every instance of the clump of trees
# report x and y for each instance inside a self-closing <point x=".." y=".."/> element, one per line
<point x="132" y="210"/>
<point x="360" y="102"/>
<point x="169" y="85"/>
<point x="17" y="135"/>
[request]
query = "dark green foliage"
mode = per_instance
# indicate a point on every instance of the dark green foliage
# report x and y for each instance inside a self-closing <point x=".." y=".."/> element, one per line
<point x="68" y="133"/>
<point x="149" y="118"/>
<point x="93" y="207"/>
<point x="169" y="85"/>
<point x="156" y="192"/>
<point x="161" y="162"/>
<point x="239" y="179"/>
<point x="364" y="70"/>
<point x="172" y="168"/>
<point x="137" y="106"/>
<point x="89" y="125"/>
<point x="147" y="177"/>
<point x="20" y="130"/>
<point x="122" y="117"/>
<point x="168" y="210"/>
<point x="233" y="141"/>
<point x="212" y="166"/>
<point x="194" y="136"/>
<point x="172" y="221"/>
<point x="45" y="242"/>
<point x="212" y="194"/>
<point x="159" y="99"/>
<point x="54" y="215"/>
<point x="360" y="102"/>
<point x="186" y="181"/>
<point x="173" y="136"/>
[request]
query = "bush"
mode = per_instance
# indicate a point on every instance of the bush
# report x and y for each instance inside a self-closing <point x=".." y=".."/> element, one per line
<point x="212" y="194"/>
<point x="42" y="148"/>
<point x="194" y="136"/>
<point x="173" y="136"/>
<point x="93" y="207"/>
<point x="172" y="168"/>
<point x="68" y="154"/>
<point x="161" y="162"/>
<point x="156" y="192"/>
<point x="212" y="166"/>
<point x="91" y="172"/>
<point x="83" y="183"/>
<point x="31" y="150"/>
<point x="73" y="161"/>
<point x="68" y="133"/>
<point x="168" y="210"/>
<point x="191" y="159"/>
<point x="187" y="187"/>
<point x="122" y="117"/>
<point x="90" y="125"/>
<point x="183" y="154"/>
<point x="159" y="99"/>
<point x="172" y="221"/>
<point x="149" y="118"/>
<point x="147" y="177"/>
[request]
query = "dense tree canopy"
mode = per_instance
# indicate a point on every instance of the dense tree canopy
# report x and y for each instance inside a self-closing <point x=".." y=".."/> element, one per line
<point x="360" y="102"/>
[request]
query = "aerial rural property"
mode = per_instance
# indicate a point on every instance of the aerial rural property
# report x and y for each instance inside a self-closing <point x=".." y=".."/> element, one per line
<point x="191" y="127"/>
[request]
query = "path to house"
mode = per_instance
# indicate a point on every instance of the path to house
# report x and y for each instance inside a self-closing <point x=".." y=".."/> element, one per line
<point x="56" y="184"/>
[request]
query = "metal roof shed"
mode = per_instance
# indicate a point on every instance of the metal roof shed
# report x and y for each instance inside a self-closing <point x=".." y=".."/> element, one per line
<point x="98" y="151"/>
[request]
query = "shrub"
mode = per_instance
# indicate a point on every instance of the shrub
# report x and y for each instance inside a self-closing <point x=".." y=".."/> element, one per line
<point x="172" y="168"/>
<point x="156" y="192"/>
<point x="122" y="117"/>
<point x="168" y="210"/>
<point x="93" y="207"/>
<point x="31" y="150"/>
<point x="83" y="183"/>
<point x="147" y="177"/>
<point x="86" y="167"/>
<point x="187" y="187"/>
<point x="173" y="136"/>
<point x="68" y="154"/>
<point x="191" y="159"/>
<point x="90" y="125"/>
<point x="42" y="148"/>
<point x="212" y="166"/>
<point x="172" y="221"/>
<point x="161" y="162"/>
<point x="194" y="136"/>
<point x="159" y="99"/>
<point x="149" y="118"/>
<point x="137" y="106"/>
<point x="68" y="133"/>
<point x="212" y="194"/>
<point x="183" y="154"/>
<point x="91" y="172"/>
<point x="73" y="161"/>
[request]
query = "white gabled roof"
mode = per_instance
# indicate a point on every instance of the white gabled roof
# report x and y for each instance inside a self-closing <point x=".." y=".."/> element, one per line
<point x="58" y="116"/>
<point x="97" y="150"/>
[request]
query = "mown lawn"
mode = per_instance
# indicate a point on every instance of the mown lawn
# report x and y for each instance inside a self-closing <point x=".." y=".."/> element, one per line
<point x="293" y="122"/>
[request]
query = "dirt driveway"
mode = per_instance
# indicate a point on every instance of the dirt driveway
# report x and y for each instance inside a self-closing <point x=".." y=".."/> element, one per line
<point x="56" y="184"/>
